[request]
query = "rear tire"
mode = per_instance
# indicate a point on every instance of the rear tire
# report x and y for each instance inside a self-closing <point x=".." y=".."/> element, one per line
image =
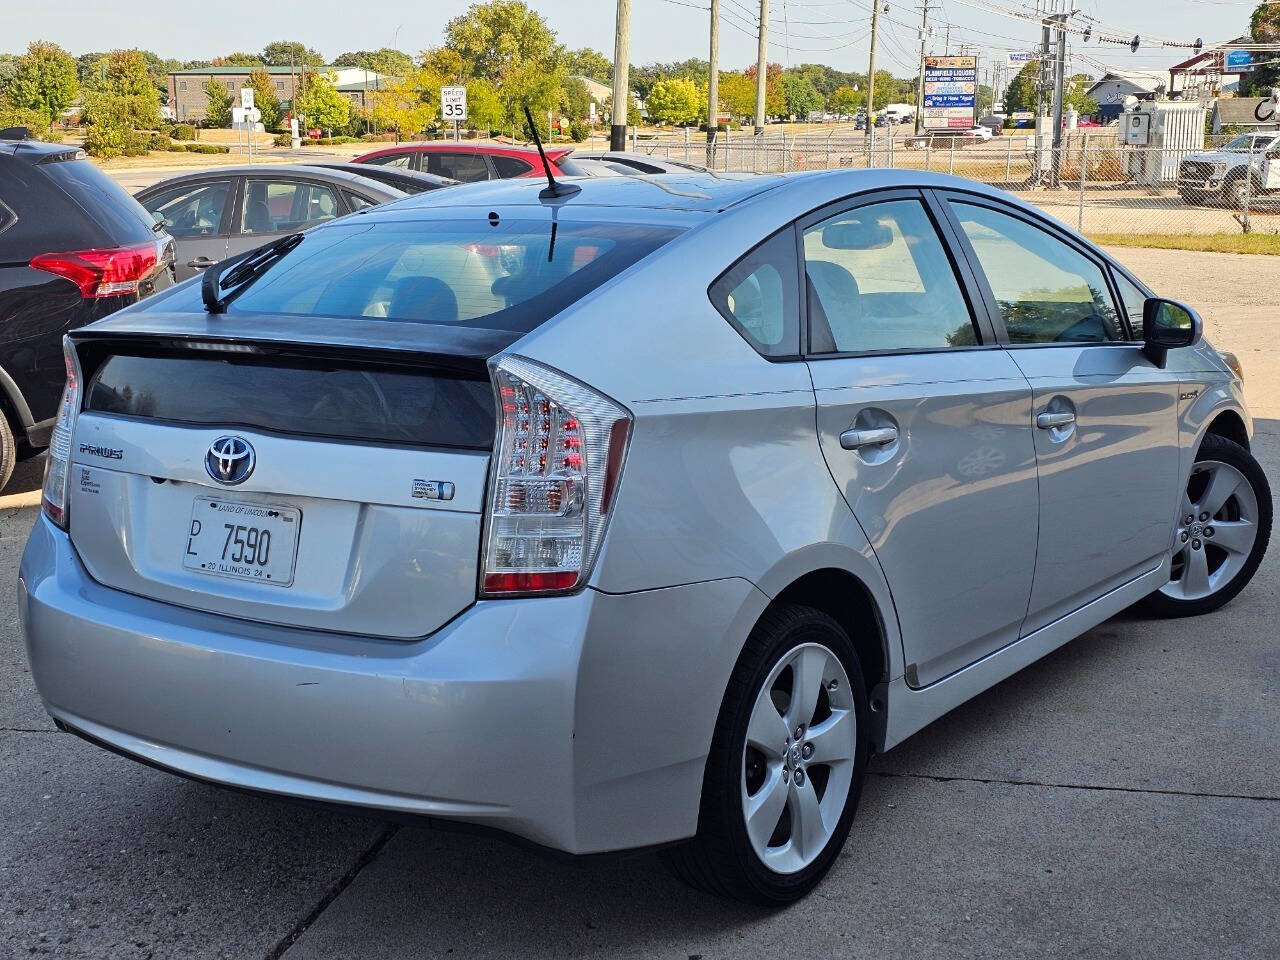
<point x="803" y="789"/>
<point x="1228" y="501"/>
<point x="8" y="452"/>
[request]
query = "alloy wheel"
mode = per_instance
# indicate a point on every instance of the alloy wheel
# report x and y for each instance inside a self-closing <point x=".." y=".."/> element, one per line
<point x="1216" y="530"/>
<point x="798" y="759"/>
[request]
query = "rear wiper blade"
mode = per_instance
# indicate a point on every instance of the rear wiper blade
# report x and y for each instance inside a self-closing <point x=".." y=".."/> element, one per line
<point x="225" y="281"/>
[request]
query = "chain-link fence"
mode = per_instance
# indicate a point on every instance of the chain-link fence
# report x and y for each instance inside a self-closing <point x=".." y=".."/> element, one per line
<point x="1093" y="182"/>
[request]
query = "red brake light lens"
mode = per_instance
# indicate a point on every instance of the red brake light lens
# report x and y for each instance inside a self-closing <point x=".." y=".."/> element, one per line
<point x="108" y="272"/>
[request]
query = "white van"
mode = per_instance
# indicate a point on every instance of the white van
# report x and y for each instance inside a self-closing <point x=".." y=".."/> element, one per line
<point x="898" y="112"/>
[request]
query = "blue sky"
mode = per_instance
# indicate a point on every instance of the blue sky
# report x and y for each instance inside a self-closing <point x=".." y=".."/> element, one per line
<point x="824" y="31"/>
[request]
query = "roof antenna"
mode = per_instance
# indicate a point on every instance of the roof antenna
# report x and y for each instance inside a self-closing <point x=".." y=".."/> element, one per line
<point x="553" y="190"/>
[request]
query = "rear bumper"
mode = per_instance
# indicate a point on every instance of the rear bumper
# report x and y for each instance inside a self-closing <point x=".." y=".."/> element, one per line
<point x="581" y="722"/>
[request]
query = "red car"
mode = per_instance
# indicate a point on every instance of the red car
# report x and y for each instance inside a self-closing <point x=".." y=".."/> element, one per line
<point x="466" y="161"/>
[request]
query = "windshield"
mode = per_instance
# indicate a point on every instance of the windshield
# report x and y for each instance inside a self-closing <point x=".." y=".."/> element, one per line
<point x="1246" y="143"/>
<point x="513" y="275"/>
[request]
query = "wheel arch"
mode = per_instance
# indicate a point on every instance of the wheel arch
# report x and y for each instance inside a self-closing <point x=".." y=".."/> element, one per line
<point x="14" y="405"/>
<point x="1229" y="425"/>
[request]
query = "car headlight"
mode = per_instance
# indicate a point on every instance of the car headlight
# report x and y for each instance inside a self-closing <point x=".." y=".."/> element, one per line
<point x="1218" y="170"/>
<point x="1232" y="361"/>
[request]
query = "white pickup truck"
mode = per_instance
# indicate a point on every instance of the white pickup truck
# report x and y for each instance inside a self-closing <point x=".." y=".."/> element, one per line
<point x="1222" y="175"/>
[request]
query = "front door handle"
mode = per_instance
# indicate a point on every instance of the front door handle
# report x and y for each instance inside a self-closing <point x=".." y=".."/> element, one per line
<point x="201" y="263"/>
<point x="874" y="437"/>
<point x="1048" y="421"/>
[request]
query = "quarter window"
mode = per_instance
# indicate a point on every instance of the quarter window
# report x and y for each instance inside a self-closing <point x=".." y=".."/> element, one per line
<point x="879" y="279"/>
<point x="1134" y="300"/>
<point x="1047" y="291"/>
<point x="508" y="167"/>
<point x="759" y="296"/>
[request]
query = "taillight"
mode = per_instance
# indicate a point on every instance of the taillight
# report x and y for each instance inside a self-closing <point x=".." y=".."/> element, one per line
<point x="557" y="463"/>
<point x="56" y="466"/>
<point x="108" y="272"/>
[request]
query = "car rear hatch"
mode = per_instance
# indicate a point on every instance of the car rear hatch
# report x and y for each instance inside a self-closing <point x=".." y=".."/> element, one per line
<point x="347" y="495"/>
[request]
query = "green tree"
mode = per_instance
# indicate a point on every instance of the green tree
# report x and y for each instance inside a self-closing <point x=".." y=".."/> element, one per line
<point x="265" y="99"/>
<point x="575" y="102"/>
<point x="1021" y="92"/>
<point x="284" y="53"/>
<point x="1264" y="27"/>
<point x="801" y="95"/>
<point x="218" y="112"/>
<point x="386" y="61"/>
<point x="775" y="100"/>
<point x="674" y="100"/>
<point x="1076" y="95"/>
<point x="737" y="94"/>
<point x="845" y="100"/>
<point x="633" y="112"/>
<point x="43" y="79"/>
<point x="120" y="91"/>
<point x="589" y="63"/>
<point x="406" y="106"/>
<point x="239" y="59"/>
<point x="321" y="103"/>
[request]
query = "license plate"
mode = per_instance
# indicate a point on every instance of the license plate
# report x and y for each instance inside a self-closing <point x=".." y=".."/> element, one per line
<point x="243" y="541"/>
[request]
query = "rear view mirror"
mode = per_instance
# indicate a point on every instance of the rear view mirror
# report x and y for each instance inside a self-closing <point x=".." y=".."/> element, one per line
<point x="1168" y="325"/>
<point x="856" y="235"/>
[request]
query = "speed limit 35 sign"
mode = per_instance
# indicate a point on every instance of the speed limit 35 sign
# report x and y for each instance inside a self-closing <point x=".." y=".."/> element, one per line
<point x="453" y="103"/>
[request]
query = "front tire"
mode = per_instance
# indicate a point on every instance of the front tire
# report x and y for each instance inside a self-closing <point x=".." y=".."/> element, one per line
<point x="786" y="766"/>
<point x="1222" y="531"/>
<point x="8" y="452"/>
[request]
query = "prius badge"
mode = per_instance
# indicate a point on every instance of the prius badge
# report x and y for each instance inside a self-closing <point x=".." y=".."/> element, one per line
<point x="230" y="460"/>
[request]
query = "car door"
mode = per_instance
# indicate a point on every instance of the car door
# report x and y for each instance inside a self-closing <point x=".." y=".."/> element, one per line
<point x="1105" y="416"/>
<point x="196" y="215"/>
<point x="273" y="206"/>
<point x="925" y="425"/>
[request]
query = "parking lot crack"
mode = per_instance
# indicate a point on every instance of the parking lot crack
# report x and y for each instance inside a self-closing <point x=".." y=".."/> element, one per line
<point x="1078" y="786"/>
<point x="332" y="893"/>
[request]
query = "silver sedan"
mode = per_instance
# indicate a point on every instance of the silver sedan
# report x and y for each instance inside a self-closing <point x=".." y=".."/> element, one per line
<point x="626" y="511"/>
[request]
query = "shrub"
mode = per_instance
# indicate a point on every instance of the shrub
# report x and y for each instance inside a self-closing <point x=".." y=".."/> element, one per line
<point x="183" y="131"/>
<point x="205" y="148"/>
<point x="283" y="140"/>
<point x="106" y="140"/>
<point x="327" y="141"/>
<point x="379" y="138"/>
<point x="578" y="131"/>
<point x="33" y="120"/>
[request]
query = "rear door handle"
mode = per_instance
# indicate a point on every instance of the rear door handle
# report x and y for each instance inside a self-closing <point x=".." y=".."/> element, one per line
<point x="201" y="262"/>
<point x="1048" y="421"/>
<point x="876" y="437"/>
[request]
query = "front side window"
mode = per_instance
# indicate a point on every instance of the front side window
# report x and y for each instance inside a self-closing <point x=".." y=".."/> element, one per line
<point x="879" y="279"/>
<point x="759" y="295"/>
<point x="272" y="206"/>
<point x="1047" y="291"/>
<point x="192" y="210"/>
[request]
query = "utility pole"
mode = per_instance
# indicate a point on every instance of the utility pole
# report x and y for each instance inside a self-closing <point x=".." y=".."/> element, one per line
<point x="762" y="65"/>
<point x="1059" y="82"/>
<point x="1041" y="87"/>
<point x="924" y="34"/>
<point x="621" y="86"/>
<point x="713" y="87"/>
<point x="871" y="74"/>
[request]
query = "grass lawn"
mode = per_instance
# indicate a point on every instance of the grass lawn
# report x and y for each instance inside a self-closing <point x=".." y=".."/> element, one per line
<point x="1212" y="242"/>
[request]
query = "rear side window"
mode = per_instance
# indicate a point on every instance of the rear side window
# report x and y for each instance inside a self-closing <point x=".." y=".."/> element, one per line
<point x="104" y="200"/>
<point x="513" y="276"/>
<point x="467" y="167"/>
<point x="759" y="295"/>
<point x="508" y="167"/>
<point x="272" y="206"/>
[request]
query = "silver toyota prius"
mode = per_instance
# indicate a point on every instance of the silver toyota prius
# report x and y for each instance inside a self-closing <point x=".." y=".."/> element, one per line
<point x="623" y="513"/>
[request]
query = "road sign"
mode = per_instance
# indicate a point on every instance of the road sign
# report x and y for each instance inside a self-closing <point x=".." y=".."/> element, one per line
<point x="246" y="97"/>
<point x="453" y="103"/>
<point x="950" y="91"/>
<point x="1237" y="61"/>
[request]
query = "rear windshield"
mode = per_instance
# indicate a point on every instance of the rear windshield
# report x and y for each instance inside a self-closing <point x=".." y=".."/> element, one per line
<point x="512" y="276"/>
<point x="106" y="202"/>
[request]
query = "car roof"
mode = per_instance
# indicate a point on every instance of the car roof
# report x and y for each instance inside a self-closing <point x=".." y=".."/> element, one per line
<point x="299" y="170"/>
<point x="393" y="173"/>
<point x="497" y="149"/>
<point x="697" y="192"/>
<point x="37" y="151"/>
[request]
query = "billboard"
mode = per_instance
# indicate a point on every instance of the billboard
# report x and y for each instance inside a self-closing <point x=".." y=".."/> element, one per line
<point x="950" y="91"/>
<point x="1015" y="60"/>
<point x="1237" y="61"/>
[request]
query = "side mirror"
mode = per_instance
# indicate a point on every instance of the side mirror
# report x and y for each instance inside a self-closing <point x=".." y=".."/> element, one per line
<point x="1168" y="325"/>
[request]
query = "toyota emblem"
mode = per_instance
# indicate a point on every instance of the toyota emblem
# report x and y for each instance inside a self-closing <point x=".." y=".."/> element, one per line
<point x="230" y="460"/>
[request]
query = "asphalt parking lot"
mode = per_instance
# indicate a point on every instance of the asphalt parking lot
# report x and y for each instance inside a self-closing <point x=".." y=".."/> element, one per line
<point x="1120" y="798"/>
